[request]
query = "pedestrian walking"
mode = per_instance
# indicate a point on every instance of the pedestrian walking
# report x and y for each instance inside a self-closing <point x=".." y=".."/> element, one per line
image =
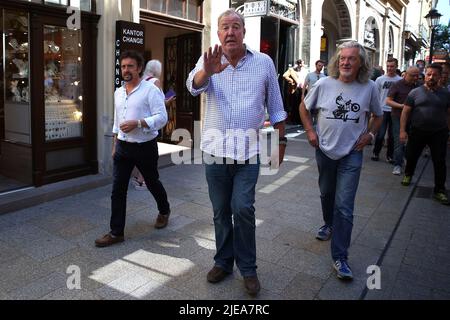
<point x="384" y="83"/>
<point x="139" y="113"/>
<point x="427" y="110"/>
<point x="239" y="83"/>
<point x="345" y="101"/>
<point x="152" y="73"/>
<point x="296" y="78"/>
<point x="396" y="98"/>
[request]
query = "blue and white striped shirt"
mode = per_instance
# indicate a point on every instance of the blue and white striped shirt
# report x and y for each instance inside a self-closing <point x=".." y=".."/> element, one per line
<point x="236" y="101"/>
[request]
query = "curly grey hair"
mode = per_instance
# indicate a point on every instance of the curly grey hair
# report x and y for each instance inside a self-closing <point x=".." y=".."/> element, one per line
<point x="364" y="70"/>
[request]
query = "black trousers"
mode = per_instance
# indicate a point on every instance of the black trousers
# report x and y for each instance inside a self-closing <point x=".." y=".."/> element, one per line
<point x="145" y="157"/>
<point x="437" y="141"/>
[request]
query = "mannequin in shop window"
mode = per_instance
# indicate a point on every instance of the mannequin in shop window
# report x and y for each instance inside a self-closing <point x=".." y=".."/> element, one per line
<point x="152" y="73"/>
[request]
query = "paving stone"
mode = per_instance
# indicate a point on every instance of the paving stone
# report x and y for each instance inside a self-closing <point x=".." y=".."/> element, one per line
<point x="39" y="287"/>
<point x="75" y="294"/>
<point x="302" y="287"/>
<point x="19" y="272"/>
<point x="122" y="286"/>
<point x="307" y="262"/>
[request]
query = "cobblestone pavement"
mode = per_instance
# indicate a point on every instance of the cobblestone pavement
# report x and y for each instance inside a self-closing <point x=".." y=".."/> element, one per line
<point x="39" y="245"/>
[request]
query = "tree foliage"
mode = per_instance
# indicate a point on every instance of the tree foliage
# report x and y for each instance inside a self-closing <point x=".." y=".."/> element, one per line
<point x="442" y="38"/>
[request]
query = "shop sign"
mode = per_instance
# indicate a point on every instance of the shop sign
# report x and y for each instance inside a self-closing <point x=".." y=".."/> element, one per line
<point x="284" y="8"/>
<point x="129" y="36"/>
<point x="256" y="8"/>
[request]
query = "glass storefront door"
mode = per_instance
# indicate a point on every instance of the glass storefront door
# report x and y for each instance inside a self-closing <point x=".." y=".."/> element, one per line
<point x="62" y="83"/>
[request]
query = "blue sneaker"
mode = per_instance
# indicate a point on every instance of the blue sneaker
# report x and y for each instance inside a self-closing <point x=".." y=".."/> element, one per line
<point x="343" y="269"/>
<point x="324" y="233"/>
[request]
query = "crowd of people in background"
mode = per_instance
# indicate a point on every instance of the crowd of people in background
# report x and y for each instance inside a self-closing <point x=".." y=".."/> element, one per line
<point x="394" y="87"/>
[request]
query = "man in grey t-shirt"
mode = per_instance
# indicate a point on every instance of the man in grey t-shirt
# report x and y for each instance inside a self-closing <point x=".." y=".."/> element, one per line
<point x="384" y="83"/>
<point x="345" y="101"/>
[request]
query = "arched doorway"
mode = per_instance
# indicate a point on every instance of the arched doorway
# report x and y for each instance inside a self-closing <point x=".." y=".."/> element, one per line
<point x="372" y="41"/>
<point x="336" y="26"/>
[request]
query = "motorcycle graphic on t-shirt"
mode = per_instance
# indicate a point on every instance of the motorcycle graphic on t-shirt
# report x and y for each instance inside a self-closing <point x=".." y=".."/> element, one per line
<point x="343" y="109"/>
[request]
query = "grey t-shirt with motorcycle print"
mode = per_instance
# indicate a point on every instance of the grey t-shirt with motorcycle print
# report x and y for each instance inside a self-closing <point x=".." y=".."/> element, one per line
<point x="343" y="113"/>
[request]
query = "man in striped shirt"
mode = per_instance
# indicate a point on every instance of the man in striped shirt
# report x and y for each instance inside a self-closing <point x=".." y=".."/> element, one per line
<point x="239" y="83"/>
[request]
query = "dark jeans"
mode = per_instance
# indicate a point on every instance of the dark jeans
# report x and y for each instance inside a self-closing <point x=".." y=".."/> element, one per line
<point x="232" y="192"/>
<point x="399" y="148"/>
<point x="145" y="157"/>
<point x="437" y="141"/>
<point x="338" y="183"/>
<point x="385" y="126"/>
<point x="295" y="100"/>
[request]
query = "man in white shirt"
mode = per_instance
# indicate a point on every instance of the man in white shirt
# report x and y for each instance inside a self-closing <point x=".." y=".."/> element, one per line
<point x="139" y="114"/>
<point x="384" y="83"/>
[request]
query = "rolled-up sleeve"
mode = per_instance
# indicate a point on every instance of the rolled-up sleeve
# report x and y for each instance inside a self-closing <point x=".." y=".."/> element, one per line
<point x="274" y="102"/>
<point x="190" y="79"/>
<point x="158" y="113"/>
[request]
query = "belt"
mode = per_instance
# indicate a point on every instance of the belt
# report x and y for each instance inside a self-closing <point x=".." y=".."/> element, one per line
<point x="133" y="142"/>
<point x="222" y="160"/>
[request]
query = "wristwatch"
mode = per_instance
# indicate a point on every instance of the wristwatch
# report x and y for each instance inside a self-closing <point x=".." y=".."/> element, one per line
<point x="139" y="124"/>
<point x="372" y="135"/>
<point x="282" y="140"/>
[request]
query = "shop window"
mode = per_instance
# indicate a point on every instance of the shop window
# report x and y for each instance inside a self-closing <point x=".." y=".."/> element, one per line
<point x="186" y="9"/>
<point x="17" y="86"/>
<point x="62" y="83"/>
<point x="85" y="5"/>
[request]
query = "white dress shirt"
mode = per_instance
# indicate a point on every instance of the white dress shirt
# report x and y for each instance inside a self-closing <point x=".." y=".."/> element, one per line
<point x="146" y="102"/>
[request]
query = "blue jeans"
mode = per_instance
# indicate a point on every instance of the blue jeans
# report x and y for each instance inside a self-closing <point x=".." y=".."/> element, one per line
<point x="232" y="192"/>
<point x="399" y="148"/>
<point x="338" y="182"/>
<point x="386" y="125"/>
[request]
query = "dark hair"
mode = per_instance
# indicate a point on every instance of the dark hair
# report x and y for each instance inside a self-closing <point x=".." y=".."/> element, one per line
<point x="321" y="61"/>
<point x="135" y="55"/>
<point x="435" y="66"/>
<point x="299" y="61"/>
<point x="392" y="60"/>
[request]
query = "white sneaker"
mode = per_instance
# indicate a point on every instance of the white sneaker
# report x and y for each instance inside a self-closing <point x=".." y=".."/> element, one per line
<point x="397" y="170"/>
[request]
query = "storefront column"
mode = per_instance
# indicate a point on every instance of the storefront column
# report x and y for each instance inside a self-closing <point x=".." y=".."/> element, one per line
<point x="315" y="31"/>
<point x="111" y="11"/>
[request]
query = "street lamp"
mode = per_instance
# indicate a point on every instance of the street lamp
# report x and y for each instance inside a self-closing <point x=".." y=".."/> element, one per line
<point x="433" y="21"/>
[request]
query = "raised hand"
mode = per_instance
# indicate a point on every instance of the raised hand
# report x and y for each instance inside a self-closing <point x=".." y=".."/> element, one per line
<point x="212" y="61"/>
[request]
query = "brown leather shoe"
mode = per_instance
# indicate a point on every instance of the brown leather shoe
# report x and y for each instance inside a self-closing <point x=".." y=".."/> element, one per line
<point x="162" y="220"/>
<point x="216" y="274"/>
<point x="252" y="285"/>
<point x="108" y="239"/>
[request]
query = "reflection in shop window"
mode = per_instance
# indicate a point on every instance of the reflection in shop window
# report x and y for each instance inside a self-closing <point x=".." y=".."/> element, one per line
<point x="17" y="87"/>
<point x="62" y="83"/>
<point x="61" y="2"/>
<point x="158" y="5"/>
<point x="186" y="9"/>
<point x="175" y="8"/>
